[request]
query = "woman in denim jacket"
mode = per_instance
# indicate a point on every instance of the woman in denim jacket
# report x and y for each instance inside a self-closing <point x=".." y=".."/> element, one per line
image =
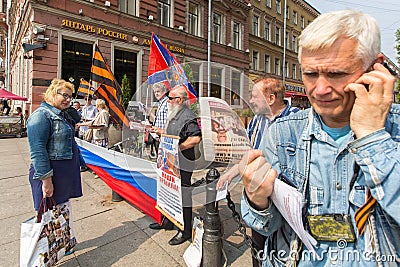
<point x="55" y="167"/>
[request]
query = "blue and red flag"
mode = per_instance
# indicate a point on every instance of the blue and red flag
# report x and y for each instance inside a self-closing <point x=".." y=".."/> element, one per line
<point x="164" y="67"/>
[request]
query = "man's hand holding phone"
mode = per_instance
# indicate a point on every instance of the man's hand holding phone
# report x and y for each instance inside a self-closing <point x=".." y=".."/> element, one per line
<point x="371" y="105"/>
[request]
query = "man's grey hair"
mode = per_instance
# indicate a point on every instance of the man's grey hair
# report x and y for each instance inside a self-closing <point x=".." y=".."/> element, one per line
<point x="160" y="86"/>
<point x="330" y="27"/>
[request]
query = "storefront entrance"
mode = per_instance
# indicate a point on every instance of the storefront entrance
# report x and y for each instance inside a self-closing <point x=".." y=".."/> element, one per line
<point x="125" y="63"/>
<point x="76" y="61"/>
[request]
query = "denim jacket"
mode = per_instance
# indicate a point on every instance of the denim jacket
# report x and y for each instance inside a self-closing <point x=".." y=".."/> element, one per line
<point x="50" y="137"/>
<point x="288" y="148"/>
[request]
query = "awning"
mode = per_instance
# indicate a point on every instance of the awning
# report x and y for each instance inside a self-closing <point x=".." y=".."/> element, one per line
<point x="290" y="94"/>
<point x="4" y="94"/>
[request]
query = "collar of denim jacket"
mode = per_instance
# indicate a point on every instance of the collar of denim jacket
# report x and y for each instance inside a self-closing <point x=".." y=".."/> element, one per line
<point x="52" y="108"/>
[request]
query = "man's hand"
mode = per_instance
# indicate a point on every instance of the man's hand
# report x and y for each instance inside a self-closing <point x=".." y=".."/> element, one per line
<point x="157" y="130"/>
<point x="47" y="187"/>
<point x="371" y="106"/>
<point x="228" y="176"/>
<point x="258" y="178"/>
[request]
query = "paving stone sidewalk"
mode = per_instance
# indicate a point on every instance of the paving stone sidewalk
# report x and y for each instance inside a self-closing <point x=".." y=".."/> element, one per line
<point x="109" y="233"/>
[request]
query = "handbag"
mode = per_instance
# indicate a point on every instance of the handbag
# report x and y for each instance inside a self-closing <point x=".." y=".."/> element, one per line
<point x="88" y="135"/>
<point x="47" y="238"/>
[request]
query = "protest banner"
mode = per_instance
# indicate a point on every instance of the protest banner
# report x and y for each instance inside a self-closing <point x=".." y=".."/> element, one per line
<point x="169" y="192"/>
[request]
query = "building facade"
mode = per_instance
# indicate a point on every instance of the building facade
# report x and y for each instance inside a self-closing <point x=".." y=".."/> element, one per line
<point x="55" y="39"/>
<point x="3" y="41"/>
<point x="273" y="40"/>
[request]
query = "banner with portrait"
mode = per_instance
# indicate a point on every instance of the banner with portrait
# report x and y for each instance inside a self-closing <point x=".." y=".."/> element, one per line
<point x="224" y="135"/>
<point x="169" y="192"/>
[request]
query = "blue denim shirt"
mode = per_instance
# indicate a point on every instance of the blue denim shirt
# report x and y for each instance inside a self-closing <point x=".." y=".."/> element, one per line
<point x="329" y="168"/>
<point x="50" y="137"/>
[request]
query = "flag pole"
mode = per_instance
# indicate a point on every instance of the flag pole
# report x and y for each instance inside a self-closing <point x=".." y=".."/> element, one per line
<point x="209" y="50"/>
<point x="147" y="91"/>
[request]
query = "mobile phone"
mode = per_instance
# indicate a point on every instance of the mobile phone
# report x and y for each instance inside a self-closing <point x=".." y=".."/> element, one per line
<point x="392" y="71"/>
<point x="386" y="65"/>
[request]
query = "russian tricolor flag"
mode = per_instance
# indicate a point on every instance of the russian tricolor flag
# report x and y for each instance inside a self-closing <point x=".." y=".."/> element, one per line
<point x="164" y="67"/>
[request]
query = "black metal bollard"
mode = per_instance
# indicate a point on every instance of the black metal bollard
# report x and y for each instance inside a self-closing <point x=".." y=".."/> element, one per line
<point x="115" y="197"/>
<point x="212" y="246"/>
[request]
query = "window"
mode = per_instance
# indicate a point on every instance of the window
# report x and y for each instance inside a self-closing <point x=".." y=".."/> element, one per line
<point x="277" y="66"/>
<point x="286" y="69"/>
<point x="4" y="6"/>
<point x="235" y="88"/>
<point x="278" y="6"/>
<point x="278" y="36"/>
<point x="302" y="22"/>
<point x="295" y="17"/>
<point x="163" y="12"/>
<point x="267" y="67"/>
<point x="76" y="61"/>
<point x="196" y="77"/>
<point x="217" y="28"/>
<point x="216" y="81"/>
<point x="287" y="12"/>
<point x="193" y="19"/>
<point x="294" y="71"/>
<point x="294" y="43"/>
<point x="127" y="6"/>
<point x="268" y="3"/>
<point x="287" y="40"/>
<point x="255" y="60"/>
<point x="125" y="62"/>
<point x="267" y="33"/>
<point x="236" y="36"/>
<point x="255" y="25"/>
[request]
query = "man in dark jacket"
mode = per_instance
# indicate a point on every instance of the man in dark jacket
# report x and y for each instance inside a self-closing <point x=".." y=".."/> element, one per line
<point x="182" y="122"/>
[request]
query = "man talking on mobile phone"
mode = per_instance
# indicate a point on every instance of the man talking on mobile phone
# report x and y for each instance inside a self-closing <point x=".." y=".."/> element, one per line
<point x="342" y="154"/>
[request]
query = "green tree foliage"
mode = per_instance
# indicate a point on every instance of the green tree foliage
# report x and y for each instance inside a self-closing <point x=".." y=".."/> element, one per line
<point x="189" y="74"/>
<point x="126" y="92"/>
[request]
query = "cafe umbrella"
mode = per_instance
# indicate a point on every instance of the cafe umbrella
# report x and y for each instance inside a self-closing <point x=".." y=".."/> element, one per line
<point x="4" y="94"/>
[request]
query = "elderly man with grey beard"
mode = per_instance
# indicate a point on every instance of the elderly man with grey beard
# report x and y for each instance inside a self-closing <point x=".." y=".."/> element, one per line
<point x="182" y="122"/>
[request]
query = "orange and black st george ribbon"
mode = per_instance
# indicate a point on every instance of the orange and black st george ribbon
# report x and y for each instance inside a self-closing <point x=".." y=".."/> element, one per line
<point x="362" y="214"/>
<point x="108" y="88"/>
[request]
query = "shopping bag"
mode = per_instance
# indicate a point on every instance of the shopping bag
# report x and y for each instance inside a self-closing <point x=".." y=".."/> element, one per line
<point x="46" y="238"/>
<point x="193" y="253"/>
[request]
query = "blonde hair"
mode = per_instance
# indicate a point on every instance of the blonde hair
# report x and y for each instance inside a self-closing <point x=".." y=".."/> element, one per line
<point x="101" y="103"/>
<point x="56" y="84"/>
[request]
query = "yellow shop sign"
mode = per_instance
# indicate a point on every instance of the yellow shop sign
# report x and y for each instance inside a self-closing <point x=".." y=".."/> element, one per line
<point x="92" y="29"/>
<point x="171" y="48"/>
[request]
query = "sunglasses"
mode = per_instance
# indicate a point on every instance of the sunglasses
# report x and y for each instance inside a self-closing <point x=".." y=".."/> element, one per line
<point x="65" y="95"/>
<point x="173" y="97"/>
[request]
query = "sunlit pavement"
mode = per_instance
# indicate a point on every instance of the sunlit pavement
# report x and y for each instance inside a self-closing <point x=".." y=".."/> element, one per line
<point x="109" y="233"/>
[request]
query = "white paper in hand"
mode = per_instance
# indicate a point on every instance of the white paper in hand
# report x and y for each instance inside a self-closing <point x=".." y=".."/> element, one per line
<point x="221" y="193"/>
<point x="289" y="203"/>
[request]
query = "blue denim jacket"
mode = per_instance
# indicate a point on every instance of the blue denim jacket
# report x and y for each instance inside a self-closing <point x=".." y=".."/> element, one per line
<point x="50" y="137"/>
<point x="288" y="147"/>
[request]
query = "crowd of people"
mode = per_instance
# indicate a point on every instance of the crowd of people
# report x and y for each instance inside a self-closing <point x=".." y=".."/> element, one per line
<point x="341" y="154"/>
